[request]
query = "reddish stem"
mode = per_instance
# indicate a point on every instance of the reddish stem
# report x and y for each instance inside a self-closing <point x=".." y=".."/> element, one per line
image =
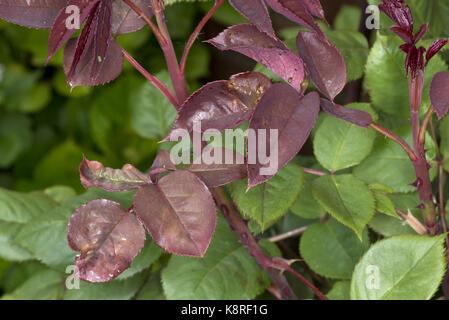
<point x="396" y="138"/>
<point x="314" y="172"/>
<point x="196" y="33"/>
<point x="153" y="80"/>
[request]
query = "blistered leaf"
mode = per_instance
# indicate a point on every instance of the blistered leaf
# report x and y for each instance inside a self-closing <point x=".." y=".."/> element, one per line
<point x="222" y="104"/>
<point x="323" y="61"/>
<point x="31" y="13"/>
<point x="256" y="12"/>
<point x="282" y="109"/>
<point x="108" y="238"/>
<point x="179" y="212"/>
<point x="93" y="173"/>
<point x="360" y="118"/>
<point x="113" y="64"/>
<point x="298" y="11"/>
<point x="273" y="53"/>
<point x="229" y="167"/>
<point x="439" y="93"/>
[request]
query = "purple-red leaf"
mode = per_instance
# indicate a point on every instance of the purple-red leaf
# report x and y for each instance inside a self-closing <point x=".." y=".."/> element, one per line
<point x="60" y="34"/>
<point x="315" y="8"/>
<point x="256" y="12"/>
<point x="162" y="163"/>
<point x="354" y="116"/>
<point x="298" y="11"/>
<point x="94" y="174"/>
<point x="439" y="93"/>
<point x="113" y="64"/>
<point x="125" y="19"/>
<point x="107" y="237"/>
<point x="283" y="109"/>
<point x="222" y="104"/>
<point x="39" y="14"/>
<point x="273" y="53"/>
<point x="435" y="47"/>
<point x="179" y="213"/>
<point x="229" y="167"/>
<point x="324" y="62"/>
<point x="102" y="37"/>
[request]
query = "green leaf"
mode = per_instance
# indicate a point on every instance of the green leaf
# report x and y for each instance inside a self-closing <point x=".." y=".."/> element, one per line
<point x="269" y="201"/>
<point x="152" y="115"/>
<point x="348" y="18"/>
<point x="152" y="290"/>
<point x="227" y="271"/>
<point x="339" y="144"/>
<point x="112" y="290"/>
<point x="347" y="199"/>
<point x="383" y="203"/>
<point x="408" y="267"/>
<point x="390" y="165"/>
<point x="20" y="207"/>
<point x="44" y="285"/>
<point x="434" y="12"/>
<point x="306" y="206"/>
<point x="331" y="249"/>
<point x="385" y="77"/>
<point x="340" y="291"/>
<point x="8" y="249"/>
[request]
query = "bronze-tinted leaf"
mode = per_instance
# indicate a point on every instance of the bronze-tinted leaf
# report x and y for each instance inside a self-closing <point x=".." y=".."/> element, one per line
<point x="230" y="167"/>
<point x="256" y="12"/>
<point x="222" y="104"/>
<point x="315" y="8"/>
<point x="282" y="109"/>
<point x="273" y="53"/>
<point x="179" y="212"/>
<point x="102" y="38"/>
<point x="94" y="174"/>
<point x="354" y="116"/>
<point x="39" y="14"/>
<point x="60" y="34"/>
<point x="107" y="237"/>
<point x="113" y="64"/>
<point x="439" y="93"/>
<point x="324" y="62"/>
<point x="126" y="20"/>
<point x="299" y="11"/>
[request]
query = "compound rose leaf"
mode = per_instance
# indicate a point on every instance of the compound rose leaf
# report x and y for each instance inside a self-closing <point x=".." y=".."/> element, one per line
<point x="39" y="14"/>
<point x="94" y="174"/>
<point x="179" y="213"/>
<point x="359" y="118"/>
<point x="107" y="237"/>
<point x="323" y="61"/>
<point x="282" y="109"/>
<point x="255" y="11"/>
<point x="222" y="104"/>
<point x="439" y="93"/>
<point x="246" y="39"/>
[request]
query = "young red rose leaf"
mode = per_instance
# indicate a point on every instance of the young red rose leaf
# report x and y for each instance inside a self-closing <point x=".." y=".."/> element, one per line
<point x="102" y="37"/>
<point x="229" y="167"/>
<point x="222" y="104"/>
<point x="246" y="39"/>
<point x="434" y="48"/>
<point x="85" y="39"/>
<point x="125" y="19"/>
<point x="94" y="174"/>
<point x="298" y="11"/>
<point x="179" y="213"/>
<point x="315" y="8"/>
<point x="283" y="109"/>
<point x="162" y="163"/>
<point x="354" y="116"/>
<point x="324" y="62"/>
<point x="60" y="34"/>
<point x="439" y="93"/>
<point x="256" y="12"/>
<point x="39" y="14"/>
<point x="107" y="237"/>
<point x="113" y="64"/>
